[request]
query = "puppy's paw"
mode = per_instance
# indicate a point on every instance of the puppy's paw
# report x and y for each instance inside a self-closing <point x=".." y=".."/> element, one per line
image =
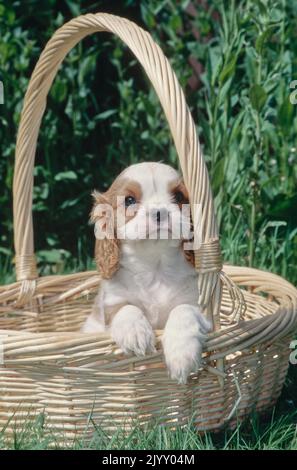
<point x="182" y="359"/>
<point x="132" y="332"/>
<point x="183" y="341"/>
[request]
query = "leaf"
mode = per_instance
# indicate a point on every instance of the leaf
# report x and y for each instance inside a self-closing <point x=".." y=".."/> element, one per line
<point x="5" y="251"/>
<point x="228" y="70"/>
<point x="232" y="168"/>
<point x="224" y="90"/>
<point x="251" y="63"/>
<point x="148" y="16"/>
<point x="215" y="59"/>
<point x="74" y="7"/>
<point x="237" y="126"/>
<point x="52" y="256"/>
<point x="218" y="174"/>
<point x="105" y="114"/>
<point x="285" y="115"/>
<point x="269" y="130"/>
<point x="59" y="91"/>
<point x="175" y="23"/>
<point x="66" y="175"/>
<point x="258" y="97"/>
<point x="262" y="38"/>
<point x="262" y="7"/>
<point x="41" y="191"/>
<point x="69" y="203"/>
<point x="276" y="15"/>
<point x="145" y="135"/>
<point x="86" y="66"/>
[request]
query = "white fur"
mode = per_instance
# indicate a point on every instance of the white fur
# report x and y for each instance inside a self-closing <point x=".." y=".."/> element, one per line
<point x="183" y="341"/>
<point x="131" y="330"/>
<point x="157" y="286"/>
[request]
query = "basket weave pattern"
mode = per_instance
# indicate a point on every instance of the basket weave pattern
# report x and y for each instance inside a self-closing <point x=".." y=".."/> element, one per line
<point x="75" y="378"/>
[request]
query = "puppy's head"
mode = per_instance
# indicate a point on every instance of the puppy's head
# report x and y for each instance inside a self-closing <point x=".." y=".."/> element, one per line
<point x="146" y="201"/>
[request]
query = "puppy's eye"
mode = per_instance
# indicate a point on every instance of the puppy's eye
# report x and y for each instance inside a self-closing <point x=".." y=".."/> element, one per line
<point x="129" y="201"/>
<point x="179" y="198"/>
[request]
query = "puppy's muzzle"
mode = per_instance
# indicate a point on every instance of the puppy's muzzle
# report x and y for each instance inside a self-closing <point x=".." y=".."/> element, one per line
<point x="159" y="215"/>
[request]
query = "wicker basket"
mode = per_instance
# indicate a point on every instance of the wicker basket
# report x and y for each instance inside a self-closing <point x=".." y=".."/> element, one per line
<point x="50" y="367"/>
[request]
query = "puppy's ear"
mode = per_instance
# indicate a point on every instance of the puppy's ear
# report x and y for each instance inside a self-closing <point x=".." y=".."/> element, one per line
<point x="107" y="247"/>
<point x="184" y="199"/>
<point x="107" y="255"/>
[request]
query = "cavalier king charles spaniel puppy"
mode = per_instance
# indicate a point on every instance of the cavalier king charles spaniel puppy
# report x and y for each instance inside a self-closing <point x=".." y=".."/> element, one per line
<point x="148" y="278"/>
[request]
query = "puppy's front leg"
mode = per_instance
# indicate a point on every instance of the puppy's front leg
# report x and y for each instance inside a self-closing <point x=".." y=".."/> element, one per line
<point x="132" y="332"/>
<point x="95" y="322"/>
<point x="183" y="340"/>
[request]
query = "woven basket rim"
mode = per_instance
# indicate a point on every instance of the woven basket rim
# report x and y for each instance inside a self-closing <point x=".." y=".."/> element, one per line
<point x="219" y="343"/>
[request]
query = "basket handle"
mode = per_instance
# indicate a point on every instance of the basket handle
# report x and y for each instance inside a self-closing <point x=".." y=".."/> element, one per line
<point x="158" y="69"/>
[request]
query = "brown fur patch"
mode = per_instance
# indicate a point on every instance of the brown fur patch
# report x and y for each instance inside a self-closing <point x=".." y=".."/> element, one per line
<point x="107" y="249"/>
<point x="107" y="256"/>
<point x="189" y="255"/>
<point x="175" y="188"/>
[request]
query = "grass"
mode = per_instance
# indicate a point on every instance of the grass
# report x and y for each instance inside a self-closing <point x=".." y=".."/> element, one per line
<point x="273" y="432"/>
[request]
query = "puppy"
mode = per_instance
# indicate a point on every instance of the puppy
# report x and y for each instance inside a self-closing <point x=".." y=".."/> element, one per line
<point x="148" y="277"/>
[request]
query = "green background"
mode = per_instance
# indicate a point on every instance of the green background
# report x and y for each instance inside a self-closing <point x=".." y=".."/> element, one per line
<point x="235" y="62"/>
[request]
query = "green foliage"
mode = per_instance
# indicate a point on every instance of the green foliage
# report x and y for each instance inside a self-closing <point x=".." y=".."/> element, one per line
<point x="97" y="123"/>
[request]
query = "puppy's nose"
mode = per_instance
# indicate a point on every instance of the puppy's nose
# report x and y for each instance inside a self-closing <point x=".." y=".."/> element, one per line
<point x="160" y="214"/>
